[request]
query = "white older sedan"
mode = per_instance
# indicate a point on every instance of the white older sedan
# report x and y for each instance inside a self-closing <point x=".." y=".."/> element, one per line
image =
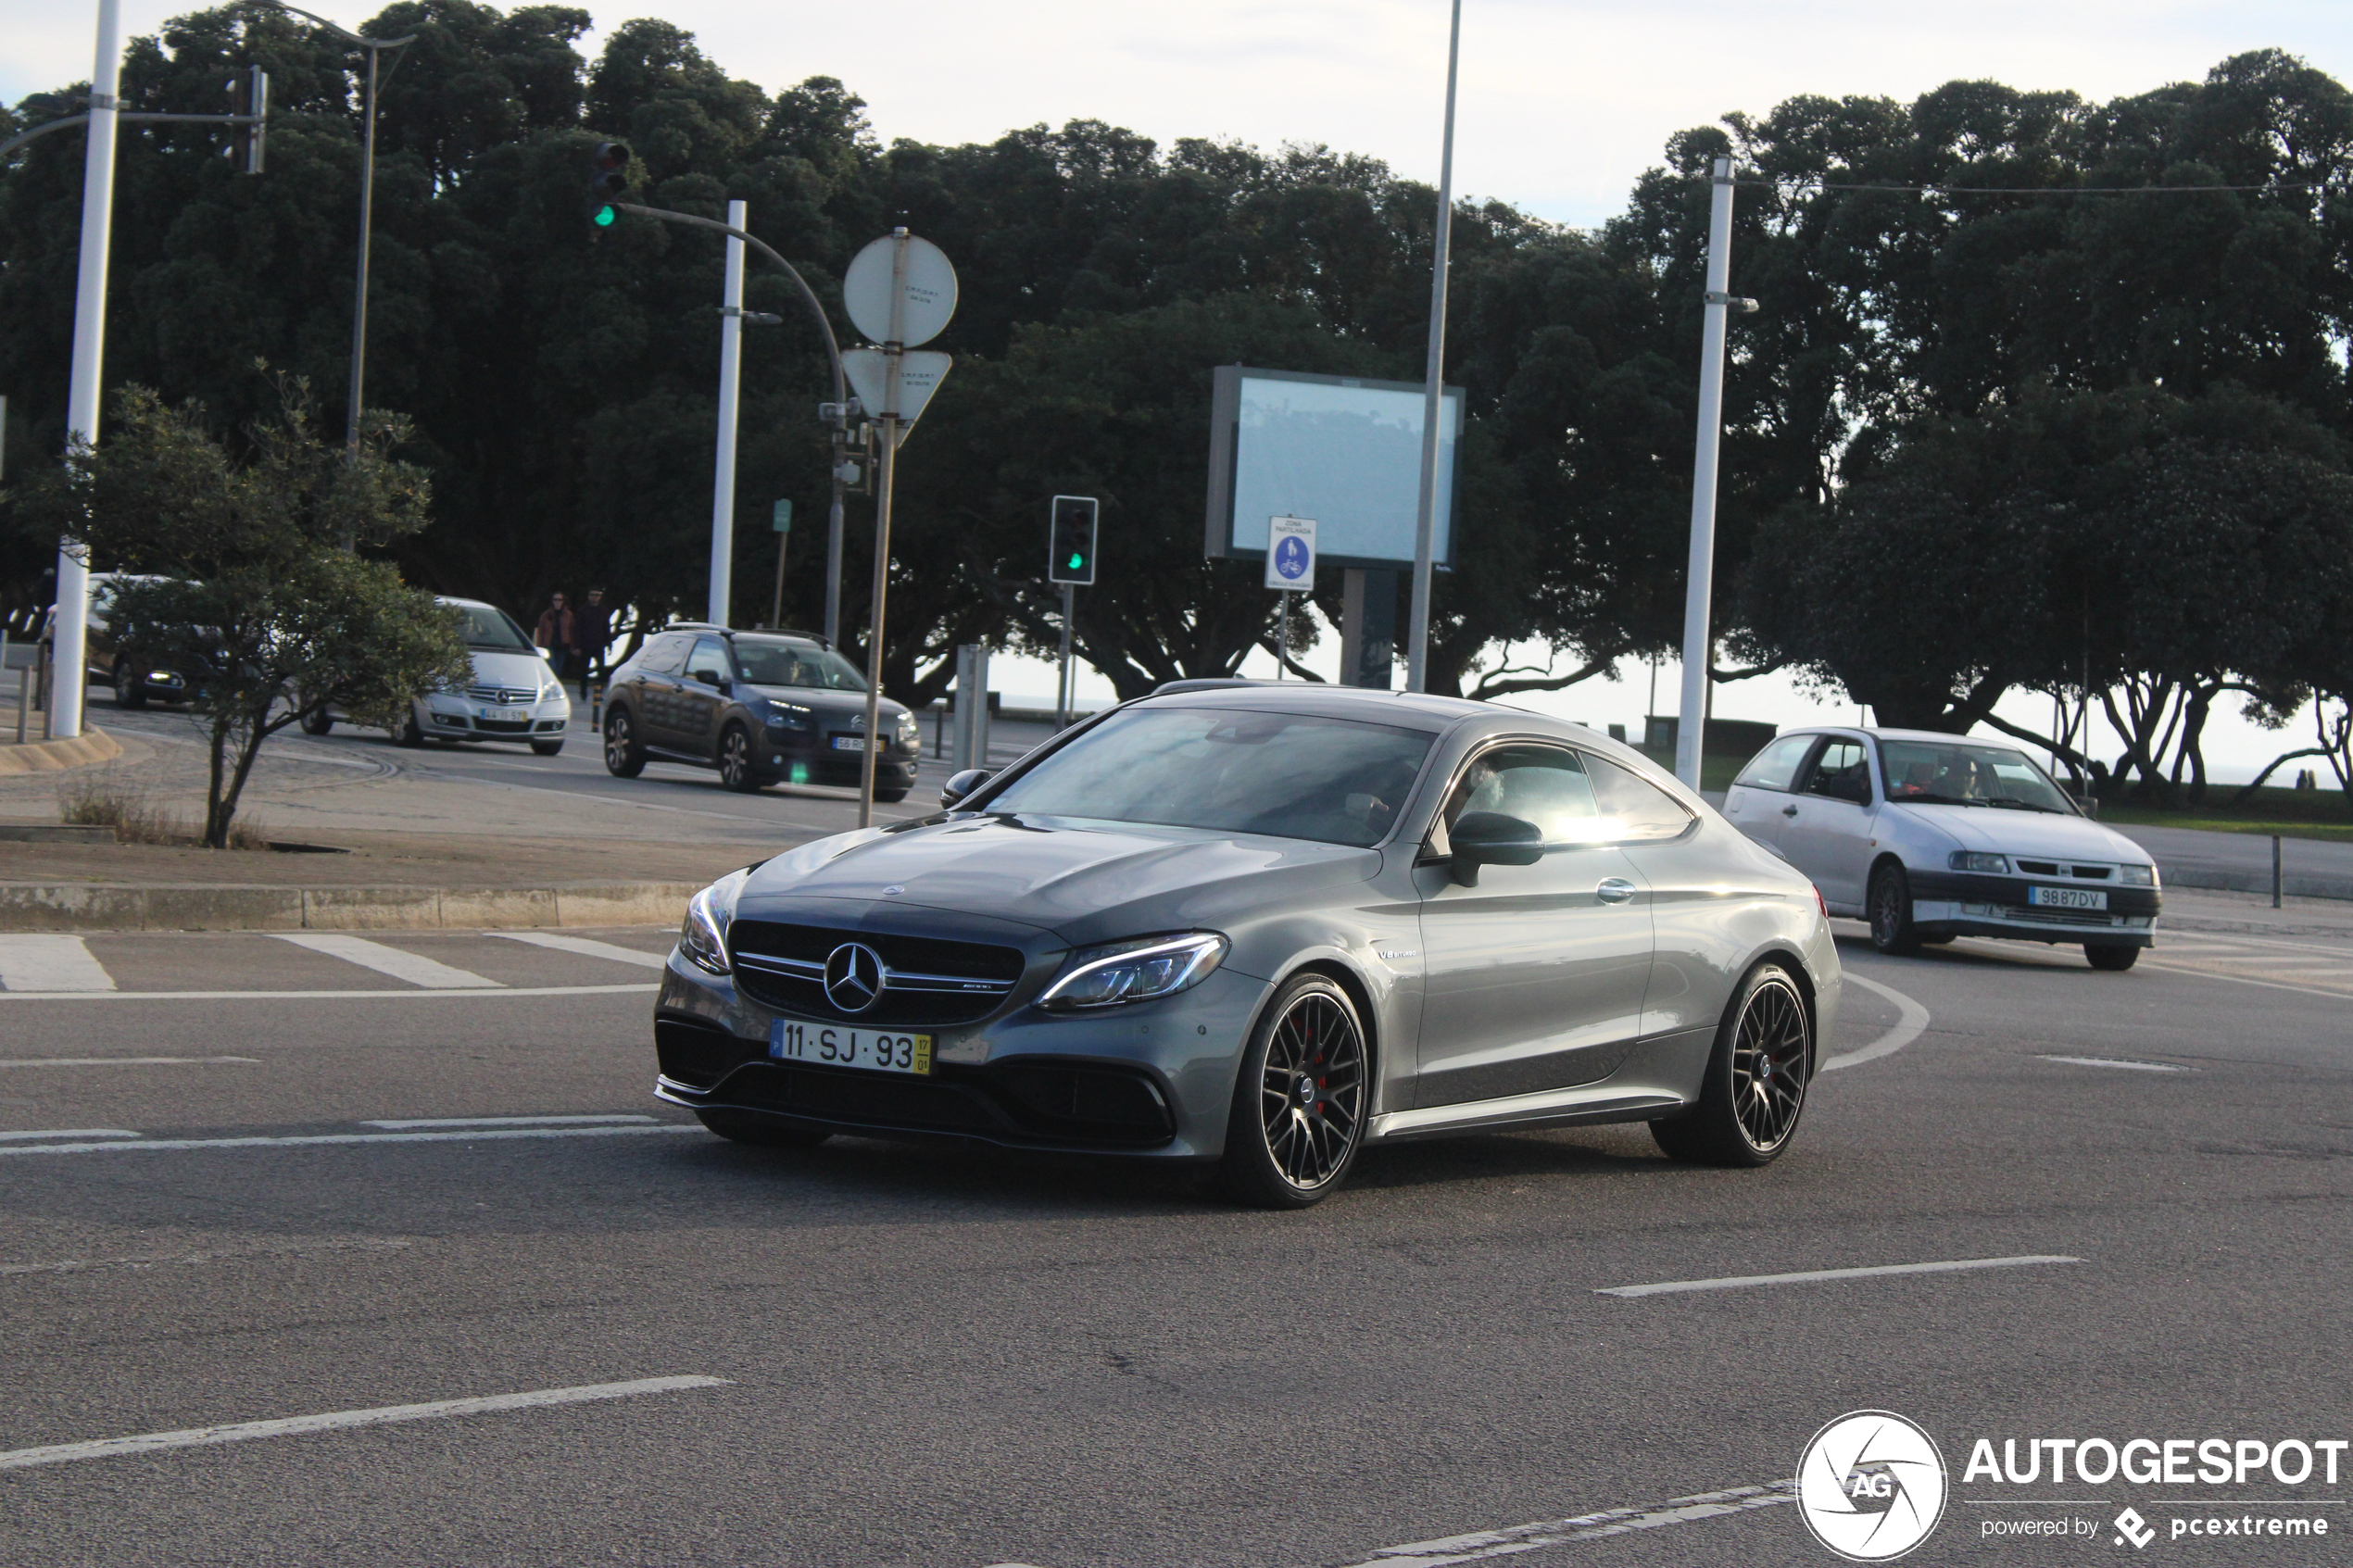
<point x="1932" y="836"/>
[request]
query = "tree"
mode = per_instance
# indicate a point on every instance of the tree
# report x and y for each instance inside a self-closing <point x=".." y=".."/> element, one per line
<point x="246" y="584"/>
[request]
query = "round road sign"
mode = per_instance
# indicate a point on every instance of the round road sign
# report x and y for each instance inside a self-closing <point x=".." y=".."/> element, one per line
<point x="930" y="293"/>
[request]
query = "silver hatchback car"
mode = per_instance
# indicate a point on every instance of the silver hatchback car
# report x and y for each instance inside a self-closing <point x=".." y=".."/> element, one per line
<point x="1259" y="927"/>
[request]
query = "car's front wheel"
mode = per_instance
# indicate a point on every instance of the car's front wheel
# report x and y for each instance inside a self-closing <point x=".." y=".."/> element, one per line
<point x="129" y="690"/>
<point x="1300" y="1101"/>
<point x="624" y="759"/>
<point x="739" y="770"/>
<point x="2109" y="956"/>
<point x="411" y="733"/>
<point x="546" y="748"/>
<point x="318" y="723"/>
<point x="1891" y="911"/>
<point x="1756" y="1080"/>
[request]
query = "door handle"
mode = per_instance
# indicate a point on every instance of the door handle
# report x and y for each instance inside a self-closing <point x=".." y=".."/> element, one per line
<point x="1790" y="811"/>
<point x="1614" y="890"/>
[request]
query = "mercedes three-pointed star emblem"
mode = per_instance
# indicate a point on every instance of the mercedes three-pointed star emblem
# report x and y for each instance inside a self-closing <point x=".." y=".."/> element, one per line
<point x="853" y="977"/>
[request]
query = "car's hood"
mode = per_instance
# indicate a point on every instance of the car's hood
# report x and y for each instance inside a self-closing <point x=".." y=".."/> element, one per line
<point x="2011" y="831"/>
<point x="525" y="671"/>
<point x="826" y="699"/>
<point x="1084" y="881"/>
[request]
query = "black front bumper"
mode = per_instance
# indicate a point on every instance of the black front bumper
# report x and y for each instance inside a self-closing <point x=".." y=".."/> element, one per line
<point x="800" y="761"/>
<point x="1036" y="1102"/>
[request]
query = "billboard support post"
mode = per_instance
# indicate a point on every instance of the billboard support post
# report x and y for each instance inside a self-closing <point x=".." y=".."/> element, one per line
<point x="1417" y="635"/>
<point x="1699" y="587"/>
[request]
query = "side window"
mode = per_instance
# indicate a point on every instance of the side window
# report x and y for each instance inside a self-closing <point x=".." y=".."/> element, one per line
<point x="1776" y="766"/>
<point x="664" y="654"/>
<point x="1547" y="785"/>
<point x="1842" y="772"/>
<point x="710" y="655"/>
<point x="1635" y="810"/>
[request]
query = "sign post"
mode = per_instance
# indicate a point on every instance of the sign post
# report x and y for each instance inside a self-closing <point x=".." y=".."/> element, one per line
<point x="782" y="520"/>
<point x="1291" y="569"/>
<point x="900" y="290"/>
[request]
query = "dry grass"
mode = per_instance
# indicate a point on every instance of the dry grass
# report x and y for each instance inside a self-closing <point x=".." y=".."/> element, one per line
<point x="106" y="799"/>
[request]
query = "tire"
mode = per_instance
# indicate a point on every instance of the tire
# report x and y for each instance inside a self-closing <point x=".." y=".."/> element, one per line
<point x="546" y="748"/>
<point x="1286" y="1149"/>
<point x="318" y="723"/>
<point x="739" y="769"/>
<point x="1754" y="1091"/>
<point x="130" y="692"/>
<point x="625" y="757"/>
<point x="408" y="734"/>
<point x="889" y="797"/>
<point x="2111" y="958"/>
<point x="756" y="1133"/>
<point x="1890" y="908"/>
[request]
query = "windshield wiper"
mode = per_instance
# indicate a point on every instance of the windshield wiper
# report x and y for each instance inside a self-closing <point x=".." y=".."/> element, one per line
<point x="1927" y="799"/>
<point x="2013" y="803"/>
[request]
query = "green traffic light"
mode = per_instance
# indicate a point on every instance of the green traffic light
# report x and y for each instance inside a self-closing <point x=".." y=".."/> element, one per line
<point x="1077" y="562"/>
<point x="605" y="215"/>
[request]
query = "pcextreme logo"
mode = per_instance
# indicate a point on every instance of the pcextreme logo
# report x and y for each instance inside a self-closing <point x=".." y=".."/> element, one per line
<point x="1871" y="1485"/>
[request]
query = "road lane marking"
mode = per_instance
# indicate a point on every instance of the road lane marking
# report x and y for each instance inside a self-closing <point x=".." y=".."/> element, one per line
<point x="420" y="1122"/>
<point x="122" y="1060"/>
<point x="585" y="947"/>
<point x="1911" y="1022"/>
<point x="1583" y="1527"/>
<point x="29" y="963"/>
<point x="1740" y="1282"/>
<point x="293" y="1426"/>
<point x="207" y="1255"/>
<point x="486" y="1135"/>
<point x="68" y="1133"/>
<point x="2246" y="980"/>
<point x="2116" y="1061"/>
<point x="407" y="995"/>
<point x="429" y="972"/>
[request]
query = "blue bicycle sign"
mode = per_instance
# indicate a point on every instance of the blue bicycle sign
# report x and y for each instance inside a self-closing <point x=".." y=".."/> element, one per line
<point x="1290" y="554"/>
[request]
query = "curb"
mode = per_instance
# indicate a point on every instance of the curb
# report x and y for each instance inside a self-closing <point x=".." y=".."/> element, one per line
<point x="54" y="756"/>
<point x="87" y="907"/>
<point x="2292" y="884"/>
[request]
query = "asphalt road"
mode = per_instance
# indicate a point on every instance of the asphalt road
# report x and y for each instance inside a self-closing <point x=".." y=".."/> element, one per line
<point x="951" y="1358"/>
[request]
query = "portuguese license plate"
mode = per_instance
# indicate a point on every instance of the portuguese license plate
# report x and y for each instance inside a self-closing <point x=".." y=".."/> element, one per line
<point x="2066" y="898"/>
<point x="829" y="1045"/>
<point x="850" y="743"/>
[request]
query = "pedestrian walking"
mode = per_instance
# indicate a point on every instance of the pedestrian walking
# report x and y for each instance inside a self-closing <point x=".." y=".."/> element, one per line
<point x="556" y="634"/>
<point x="595" y="626"/>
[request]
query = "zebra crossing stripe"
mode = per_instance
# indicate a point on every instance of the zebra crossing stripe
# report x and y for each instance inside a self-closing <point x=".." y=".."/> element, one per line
<point x="50" y="963"/>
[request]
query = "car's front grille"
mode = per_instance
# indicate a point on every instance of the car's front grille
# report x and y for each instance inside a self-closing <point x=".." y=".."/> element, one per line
<point x="2059" y="917"/>
<point x="506" y="694"/>
<point x="503" y="726"/>
<point x="2054" y="868"/>
<point x="927" y="980"/>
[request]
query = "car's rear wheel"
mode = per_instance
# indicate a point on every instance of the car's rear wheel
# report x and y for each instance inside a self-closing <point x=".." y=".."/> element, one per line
<point x="624" y="759"/>
<point x="1891" y="911"/>
<point x="2110" y="957"/>
<point x="759" y="1132"/>
<point x="739" y="770"/>
<point x="129" y="690"/>
<point x="1299" y="1103"/>
<point x="1754" y="1091"/>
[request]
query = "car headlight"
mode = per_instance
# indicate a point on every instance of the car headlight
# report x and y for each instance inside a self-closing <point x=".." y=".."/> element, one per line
<point x="1140" y="970"/>
<point x="1975" y="860"/>
<point x="2136" y="876"/>
<point x="785" y="716"/>
<point x="909" y="731"/>
<point x="703" y="936"/>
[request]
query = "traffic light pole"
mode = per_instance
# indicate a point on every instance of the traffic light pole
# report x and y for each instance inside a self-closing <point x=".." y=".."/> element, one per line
<point x="723" y="485"/>
<point x="1061" y="676"/>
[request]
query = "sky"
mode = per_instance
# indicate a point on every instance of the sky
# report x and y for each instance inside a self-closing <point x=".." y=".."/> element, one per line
<point x="1563" y="103"/>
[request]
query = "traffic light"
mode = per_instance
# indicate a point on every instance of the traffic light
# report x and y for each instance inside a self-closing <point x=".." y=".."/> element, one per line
<point x="1071" y="544"/>
<point x="249" y="101"/>
<point x="608" y="179"/>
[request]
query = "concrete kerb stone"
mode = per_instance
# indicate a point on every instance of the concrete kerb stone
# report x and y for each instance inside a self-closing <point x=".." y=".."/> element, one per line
<point x="88" y="907"/>
<point x="56" y="756"/>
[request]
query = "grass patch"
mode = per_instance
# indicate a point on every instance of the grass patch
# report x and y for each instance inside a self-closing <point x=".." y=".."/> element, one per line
<point x="105" y="799"/>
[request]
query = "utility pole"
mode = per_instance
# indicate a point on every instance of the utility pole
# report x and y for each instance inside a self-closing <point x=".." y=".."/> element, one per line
<point x="356" y="397"/>
<point x="1698" y="642"/>
<point x="730" y="365"/>
<point x="69" y="643"/>
<point x="1061" y="672"/>
<point x="1433" y="398"/>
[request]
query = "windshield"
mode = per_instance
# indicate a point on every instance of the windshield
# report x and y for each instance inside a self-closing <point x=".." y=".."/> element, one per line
<point x="1922" y="772"/>
<point x="1233" y="770"/>
<point x="495" y="630"/>
<point x="781" y="664"/>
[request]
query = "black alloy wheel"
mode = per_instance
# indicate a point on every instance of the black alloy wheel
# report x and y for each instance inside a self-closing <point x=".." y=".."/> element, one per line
<point x="624" y="759"/>
<point x="1301" y="1103"/>
<point x="2111" y="955"/>
<point x="1891" y="910"/>
<point x="739" y="769"/>
<point x="129" y="690"/>
<point x="1757" y="1077"/>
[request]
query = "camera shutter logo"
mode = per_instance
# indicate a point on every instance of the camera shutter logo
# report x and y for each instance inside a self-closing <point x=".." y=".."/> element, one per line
<point x="1871" y="1485"/>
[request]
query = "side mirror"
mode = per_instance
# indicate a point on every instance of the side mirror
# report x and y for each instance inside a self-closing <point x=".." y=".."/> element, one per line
<point x="1490" y="838"/>
<point x="960" y="785"/>
<point x="710" y="677"/>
